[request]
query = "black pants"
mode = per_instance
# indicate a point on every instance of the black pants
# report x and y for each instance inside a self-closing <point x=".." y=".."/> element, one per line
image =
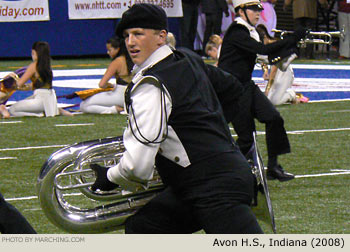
<point x="213" y="22"/>
<point x="254" y="104"/>
<point x="214" y="196"/>
<point x="188" y="24"/>
<point x="12" y="221"/>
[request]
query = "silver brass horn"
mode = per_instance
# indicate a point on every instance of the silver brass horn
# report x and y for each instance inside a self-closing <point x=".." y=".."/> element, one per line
<point x="67" y="200"/>
<point x="322" y="37"/>
<point x="66" y="176"/>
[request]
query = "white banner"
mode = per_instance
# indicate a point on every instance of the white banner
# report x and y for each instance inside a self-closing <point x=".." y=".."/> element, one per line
<point x="24" y="10"/>
<point x="101" y="9"/>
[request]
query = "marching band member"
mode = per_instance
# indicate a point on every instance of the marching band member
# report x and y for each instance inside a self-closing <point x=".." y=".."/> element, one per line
<point x="176" y="124"/>
<point x="279" y="88"/>
<point x="240" y="47"/>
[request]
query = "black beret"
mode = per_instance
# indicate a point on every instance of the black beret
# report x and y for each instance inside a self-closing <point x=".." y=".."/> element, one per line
<point x="143" y="15"/>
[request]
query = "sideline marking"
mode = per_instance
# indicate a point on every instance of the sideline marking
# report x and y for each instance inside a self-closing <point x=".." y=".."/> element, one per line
<point x="6" y="158"/>
<point x="74" y="124"/>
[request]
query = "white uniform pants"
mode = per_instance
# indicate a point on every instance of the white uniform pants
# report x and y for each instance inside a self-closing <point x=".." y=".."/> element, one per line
<point x="104" y="102"/>
<point x="42" y="102"/>
<point x="280" y="91"/>
<point x="344" y="44"/>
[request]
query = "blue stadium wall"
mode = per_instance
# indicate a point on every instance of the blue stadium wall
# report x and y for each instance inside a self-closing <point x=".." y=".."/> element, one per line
<point x="66" y="37"/>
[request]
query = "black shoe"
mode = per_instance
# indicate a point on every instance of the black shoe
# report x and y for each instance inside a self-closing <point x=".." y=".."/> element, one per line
<point x="277" y="172"/>
<point x="102" y="181"/>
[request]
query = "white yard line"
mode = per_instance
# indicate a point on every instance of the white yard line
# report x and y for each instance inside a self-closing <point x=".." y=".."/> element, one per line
<point x="322" y="174"/>
<point x="36" y="197"/>
<point x="317" y="130"/>
<point x="77" y="72"/>
<point x="33" y="147"/>
<point x="7" y="158"/>
<point x="9" y="122"/>
<point x="331" y="100"/>
<point x="316" y="66"/>
<point x="22" y="198"/>
<point x="303" y="131"/>
<point x="74" y="124"/>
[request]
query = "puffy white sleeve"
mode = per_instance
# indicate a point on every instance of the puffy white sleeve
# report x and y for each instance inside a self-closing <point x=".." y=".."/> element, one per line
<point x="148" y="115"/>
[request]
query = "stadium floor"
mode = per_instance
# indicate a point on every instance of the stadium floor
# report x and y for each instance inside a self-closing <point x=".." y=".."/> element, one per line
<point x="316" y="202"/>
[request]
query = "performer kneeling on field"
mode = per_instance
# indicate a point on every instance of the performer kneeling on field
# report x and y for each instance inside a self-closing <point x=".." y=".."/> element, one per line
<point x="176" y="123"/>
<point x="279" y="88"/>
<point x="44" y="100"/>
<point x="240" y="47"/>
<point x="111" y="102"/>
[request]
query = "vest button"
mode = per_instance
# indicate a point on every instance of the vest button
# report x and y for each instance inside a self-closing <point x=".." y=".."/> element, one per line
<point x="177" y="159"/>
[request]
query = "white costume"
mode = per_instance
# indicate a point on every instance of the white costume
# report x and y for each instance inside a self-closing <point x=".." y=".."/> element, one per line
<point x="104" y="102"/>
<point x="281" y="91"/>
<point x="42" y="102"/>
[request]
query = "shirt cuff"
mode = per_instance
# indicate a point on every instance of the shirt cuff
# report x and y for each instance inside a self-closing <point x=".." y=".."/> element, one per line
<point x="115" y="176"/>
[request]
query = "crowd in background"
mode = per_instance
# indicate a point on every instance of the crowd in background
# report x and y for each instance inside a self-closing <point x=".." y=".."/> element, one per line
<point x="198" y="23"/>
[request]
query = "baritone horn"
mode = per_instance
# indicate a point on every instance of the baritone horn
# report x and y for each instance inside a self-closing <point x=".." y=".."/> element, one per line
<point x="65" y="195"/>
<point x="321" y="37"/>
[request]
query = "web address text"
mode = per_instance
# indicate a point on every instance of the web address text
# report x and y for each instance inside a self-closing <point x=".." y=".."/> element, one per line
<point x="17" y="12"/>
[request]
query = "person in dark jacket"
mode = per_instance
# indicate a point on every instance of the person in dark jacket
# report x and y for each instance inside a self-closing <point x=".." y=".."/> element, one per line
<point x="213" y="10"/>
<point x="188" y="23"/>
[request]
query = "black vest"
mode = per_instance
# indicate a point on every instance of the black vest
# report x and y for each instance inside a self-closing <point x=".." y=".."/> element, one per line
<point x="196" y="116"/>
